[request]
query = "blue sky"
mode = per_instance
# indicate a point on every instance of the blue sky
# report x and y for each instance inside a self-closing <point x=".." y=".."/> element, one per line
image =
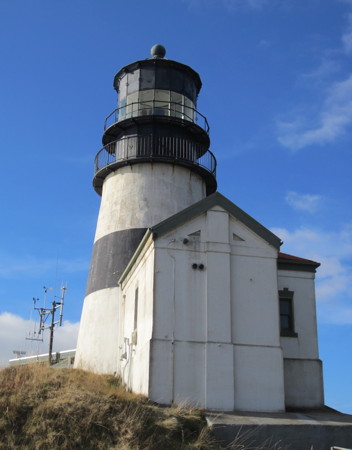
<point x="277" y="92"/>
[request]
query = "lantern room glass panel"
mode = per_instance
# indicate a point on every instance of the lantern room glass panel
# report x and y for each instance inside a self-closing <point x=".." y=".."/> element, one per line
<point x="133" y="82"/>
<point x="122" y="90"/>
<point x="189" y="109"/>
<point x="146" y="99"/>
<point x="147" y="79"/>
<point x="162" y="102"/>
<point x="122" y="109"/>
<point x="177" y="104"/>
<point x="132" y="108"/>
<point x="156" y="101"/>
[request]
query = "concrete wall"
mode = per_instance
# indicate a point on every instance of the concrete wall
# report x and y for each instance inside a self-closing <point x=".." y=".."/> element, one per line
<point x="303" y="383"/>
<point x="255" y="321"/>
<point x="215" y="339"/>
<point x="303" y="369"/>
<point x="305" y="345"/>
<point x="208" y="330"/>
<point x="98" y="338"/>
<point x="134" y="343"/>
<point x="134" y="197"/>
<point x="142" y="195"/>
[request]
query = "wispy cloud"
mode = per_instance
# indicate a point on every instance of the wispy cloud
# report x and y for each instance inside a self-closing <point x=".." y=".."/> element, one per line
<point x="334" y="119"/>
<point x="334" y="251"/>
<point x="304" y="202"/>
<point x="14" y="330"/>
<point x="330" y="119"/>
<point x="320" y="74"/>
<point x="347" y="35"/>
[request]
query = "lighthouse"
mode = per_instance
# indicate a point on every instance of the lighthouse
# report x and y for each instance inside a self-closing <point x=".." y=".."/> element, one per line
<point x="189" y="298"/>
<point x="155" y="162"/>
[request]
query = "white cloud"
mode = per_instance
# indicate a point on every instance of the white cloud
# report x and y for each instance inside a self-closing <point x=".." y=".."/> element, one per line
<point x="347" y="36"/>
<point x="334" y="119"/>
<point x="313" y="242"/>
<point x="325" y="70"/>
<point x="14" y="330"/>
<point x="304" y="202"/>
<point x="339" y="315"/>
<point x="334" y="251"/>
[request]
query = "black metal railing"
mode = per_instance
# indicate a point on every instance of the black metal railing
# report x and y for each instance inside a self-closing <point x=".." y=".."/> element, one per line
<point x="173" y="148"/>
<point x="157" y="108"/>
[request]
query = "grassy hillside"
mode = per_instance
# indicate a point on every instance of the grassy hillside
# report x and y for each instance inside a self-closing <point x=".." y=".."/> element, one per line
<point x="42" y="408"/>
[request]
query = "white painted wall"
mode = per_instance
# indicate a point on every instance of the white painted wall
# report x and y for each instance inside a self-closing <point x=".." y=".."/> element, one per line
<point x="303" y="383"/>
<point x="135" y="196"/>
<point x="302" y="367"/>
<point x="210" y="337"/>
<point x="259" y="383"/>
<point x="142" y="195"/>
<point x="216" y="340"/>
<point x="305" y="345"/>
<point x="133" y="358"/>
<point x="97" y="342"/>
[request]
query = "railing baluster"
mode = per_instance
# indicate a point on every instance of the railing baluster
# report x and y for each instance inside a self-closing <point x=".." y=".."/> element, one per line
<point x="136" y="109"/>
<point x="130" y="147"/>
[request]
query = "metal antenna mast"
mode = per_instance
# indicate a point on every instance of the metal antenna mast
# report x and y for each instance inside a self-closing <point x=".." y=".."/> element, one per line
<point x="44" y="313"/>
<point x="32" y="336"/>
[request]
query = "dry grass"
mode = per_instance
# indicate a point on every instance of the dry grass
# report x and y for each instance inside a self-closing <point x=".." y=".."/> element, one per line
<point x="42" y="408"/>
<point x="246" y="440"/>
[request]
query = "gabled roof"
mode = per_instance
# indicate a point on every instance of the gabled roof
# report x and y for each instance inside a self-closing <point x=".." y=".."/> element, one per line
<point x="207" y="203"/>
<point x="290" y="262"/>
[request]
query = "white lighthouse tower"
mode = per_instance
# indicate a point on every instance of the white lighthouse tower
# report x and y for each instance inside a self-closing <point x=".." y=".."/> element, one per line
<point x="155" y="162"/>
<point x="189" y="299"/>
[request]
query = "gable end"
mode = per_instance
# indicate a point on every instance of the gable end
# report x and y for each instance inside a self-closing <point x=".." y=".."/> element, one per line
<point x="207" y="203"/>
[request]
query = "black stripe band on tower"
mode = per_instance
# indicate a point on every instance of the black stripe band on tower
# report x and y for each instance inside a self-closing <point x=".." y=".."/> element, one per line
<point x="110" y="257"/>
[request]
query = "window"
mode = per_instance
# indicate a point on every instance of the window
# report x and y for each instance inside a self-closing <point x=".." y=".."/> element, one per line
<point x="135" y="321"/>
<point x="132" y="105"/>
<point x="286" y="313"/>
<point x="146" y="99"/>
<point x="177" y="106"/>
<point x="122" y="109"/>
<point x="162" y="102"/>
<point x="155" y="101"/>
<point x="189" y="111"/>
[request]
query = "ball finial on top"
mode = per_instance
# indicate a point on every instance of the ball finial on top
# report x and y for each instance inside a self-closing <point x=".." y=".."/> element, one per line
<point x="158" y="51"/>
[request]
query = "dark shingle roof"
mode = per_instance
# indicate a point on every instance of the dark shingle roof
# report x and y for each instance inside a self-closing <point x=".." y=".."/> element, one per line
<point x="291" y="262"/>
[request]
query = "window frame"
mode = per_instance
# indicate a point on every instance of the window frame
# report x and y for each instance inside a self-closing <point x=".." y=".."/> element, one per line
<point x="286" y="296"/>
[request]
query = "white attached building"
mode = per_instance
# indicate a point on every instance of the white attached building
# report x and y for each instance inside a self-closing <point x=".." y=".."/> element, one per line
<point x="213" y="315"/>
<point x="189" y="299"/>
